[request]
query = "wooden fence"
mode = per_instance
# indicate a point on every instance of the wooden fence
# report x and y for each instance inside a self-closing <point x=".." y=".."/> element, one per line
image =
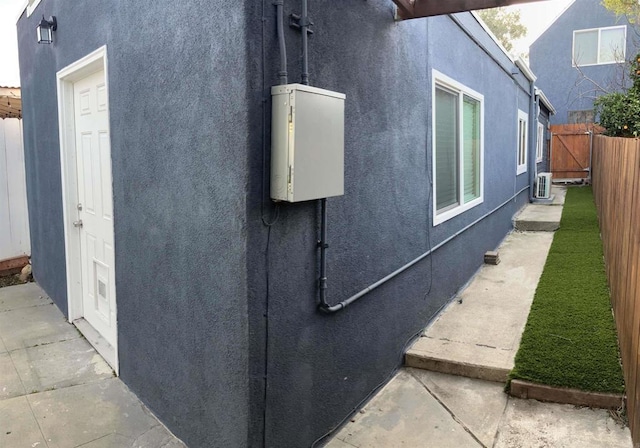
<point x="616" y="186"/>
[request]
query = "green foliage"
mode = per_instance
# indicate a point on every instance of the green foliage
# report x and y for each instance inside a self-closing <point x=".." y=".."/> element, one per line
<point x="570" y="338"/>
<point x="619" y="113"/>
<point x="629" y="8"/>
<point x="504" y="24"/>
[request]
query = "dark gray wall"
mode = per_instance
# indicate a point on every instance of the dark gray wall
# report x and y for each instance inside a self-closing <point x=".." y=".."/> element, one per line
<point x="319" y="368"/>
<point x="550" y="57"/>
<point x="179" y="144"/>
<point x="218" y="328"/>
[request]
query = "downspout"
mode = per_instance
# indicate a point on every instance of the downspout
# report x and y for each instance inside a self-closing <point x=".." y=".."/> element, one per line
<point x="533" y="132"/>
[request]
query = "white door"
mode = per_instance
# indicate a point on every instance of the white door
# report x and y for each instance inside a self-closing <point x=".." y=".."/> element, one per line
<point x="95" y="204"/>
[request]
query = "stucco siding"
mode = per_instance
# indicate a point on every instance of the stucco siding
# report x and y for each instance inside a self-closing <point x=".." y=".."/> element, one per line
<point x="567" y="87"/>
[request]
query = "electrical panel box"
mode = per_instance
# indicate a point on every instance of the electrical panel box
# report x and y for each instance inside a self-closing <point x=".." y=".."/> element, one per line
<point x="307" y="143"/>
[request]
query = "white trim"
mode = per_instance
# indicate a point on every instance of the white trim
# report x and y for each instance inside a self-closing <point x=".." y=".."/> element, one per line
<point x="493" y="36"/>
<point x="440" y="79"/>
<point x="31" y="6"/>
<point x="82" y="68"/>
<point x="526" y="71"/>
<point x="22" y="10"/>
<point x="522" y="116"/>
<point x="599" y="30"/>
<point x="545" y="101"/>
<point x="539" y="143"/>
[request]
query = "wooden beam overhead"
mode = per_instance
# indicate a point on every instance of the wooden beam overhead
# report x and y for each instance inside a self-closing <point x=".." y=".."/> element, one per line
<point x="415" y="9"/>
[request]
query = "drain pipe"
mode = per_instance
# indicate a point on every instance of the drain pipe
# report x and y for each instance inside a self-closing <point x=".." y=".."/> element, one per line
<point x="279" y="4"/>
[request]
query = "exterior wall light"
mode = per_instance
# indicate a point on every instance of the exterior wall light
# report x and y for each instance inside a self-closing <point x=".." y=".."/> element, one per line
<point x="45" y="30"/>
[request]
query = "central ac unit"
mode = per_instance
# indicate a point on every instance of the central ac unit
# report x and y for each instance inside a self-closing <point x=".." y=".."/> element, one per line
<point x="543" y="186"/>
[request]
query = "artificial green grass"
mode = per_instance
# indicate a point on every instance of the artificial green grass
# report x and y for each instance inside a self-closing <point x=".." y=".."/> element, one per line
<point x="570" y="338"/>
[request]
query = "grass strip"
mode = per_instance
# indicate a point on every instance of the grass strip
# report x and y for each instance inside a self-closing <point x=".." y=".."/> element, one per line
<point x="570" y="338"/>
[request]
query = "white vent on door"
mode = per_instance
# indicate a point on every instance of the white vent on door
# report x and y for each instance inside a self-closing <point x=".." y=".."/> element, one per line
<point x="543" y="186"/>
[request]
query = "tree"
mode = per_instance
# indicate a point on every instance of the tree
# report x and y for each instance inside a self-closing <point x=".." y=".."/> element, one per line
<point x="619" y="113"/>
<point x="629" y="8"/>
<point x="504" y="24"/>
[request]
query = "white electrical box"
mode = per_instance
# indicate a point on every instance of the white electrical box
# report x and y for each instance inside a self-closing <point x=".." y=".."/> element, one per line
<point x="307" y="143"/>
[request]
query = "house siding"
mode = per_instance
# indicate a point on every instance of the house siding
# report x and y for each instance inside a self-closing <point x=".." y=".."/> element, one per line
<point x="178" y="146"/>
<point x="218" y="328"/>
<point x="550" y="58"/>
<point x="320" y="367"/>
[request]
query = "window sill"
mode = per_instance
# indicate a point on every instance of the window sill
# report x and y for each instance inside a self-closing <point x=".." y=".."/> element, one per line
<point x="445" y="216"/>
<point x="521" y="170"/>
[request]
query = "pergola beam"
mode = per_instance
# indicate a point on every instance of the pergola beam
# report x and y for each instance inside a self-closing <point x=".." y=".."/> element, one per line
<point x="414" y="9"/>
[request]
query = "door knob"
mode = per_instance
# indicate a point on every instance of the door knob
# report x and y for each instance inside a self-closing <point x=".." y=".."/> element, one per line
<point x="77" y="223"/>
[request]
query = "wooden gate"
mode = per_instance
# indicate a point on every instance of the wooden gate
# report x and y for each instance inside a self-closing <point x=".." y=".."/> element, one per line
<point x="571" y="151"/>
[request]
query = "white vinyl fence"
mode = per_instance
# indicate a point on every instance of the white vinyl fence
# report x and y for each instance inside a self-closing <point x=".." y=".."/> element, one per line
<point x="14" y="220"/>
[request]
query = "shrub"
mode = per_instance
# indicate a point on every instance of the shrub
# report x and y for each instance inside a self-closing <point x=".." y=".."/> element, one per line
<point x="619" y="113"/>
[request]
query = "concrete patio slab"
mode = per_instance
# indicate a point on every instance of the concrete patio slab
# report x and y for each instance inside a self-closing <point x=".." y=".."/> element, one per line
<point x="453" y="411"/>
<point x="478" y="335"/>
<point x="404" y="413"/>
<point x="64" y="393"/>
<point x="538" y="218"/>
<point x="463" y="397"/>
<point x="533" y="424"/>
<point x="22" y="296"/>
<point x="53" y="366"/>
<point x="10" y="384"/>
<point x="18" y="426"/>
<point x="32" y="326"/>
<point x="78" y="415"/>
<point x="559" y="193"/>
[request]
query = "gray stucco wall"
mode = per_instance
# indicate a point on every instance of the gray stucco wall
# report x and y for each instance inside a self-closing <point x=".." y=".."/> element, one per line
<point x="318" y="367"/>
<point x="550" y="57"/>
<point x="218" y="328"/>
<point x="178" y="145"/>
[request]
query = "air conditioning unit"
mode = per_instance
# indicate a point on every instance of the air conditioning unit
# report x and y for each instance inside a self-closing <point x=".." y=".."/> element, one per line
<point x="543" y="186"/>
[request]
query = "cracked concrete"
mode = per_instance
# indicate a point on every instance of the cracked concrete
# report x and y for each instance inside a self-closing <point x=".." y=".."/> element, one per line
<point x="55" y="389"/>
<point x="418" y="408"/>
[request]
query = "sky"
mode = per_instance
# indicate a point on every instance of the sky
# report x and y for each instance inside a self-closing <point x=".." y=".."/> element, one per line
<point x="535" y="16"/>
<point x="9" y="10"/>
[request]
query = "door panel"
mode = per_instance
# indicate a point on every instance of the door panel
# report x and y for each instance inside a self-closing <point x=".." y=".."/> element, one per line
<point x="95" y="208"/>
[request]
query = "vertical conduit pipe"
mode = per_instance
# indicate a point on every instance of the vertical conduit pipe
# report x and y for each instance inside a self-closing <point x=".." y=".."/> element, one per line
<point x="304" y="27"/>
<point x="281" y="42"/>
<point x="322" y="282"/>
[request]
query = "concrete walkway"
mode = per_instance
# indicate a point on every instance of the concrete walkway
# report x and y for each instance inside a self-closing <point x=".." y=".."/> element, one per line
<point x="451" y="394"/>
<point x="55" y="389"/>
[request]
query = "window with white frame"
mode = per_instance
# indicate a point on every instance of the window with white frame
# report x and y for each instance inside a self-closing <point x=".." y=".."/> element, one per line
<point x="540" y="143"/>
<point x="457" y="147"/>
<point x="599" y="45"/>
<point x="523" y="118"/>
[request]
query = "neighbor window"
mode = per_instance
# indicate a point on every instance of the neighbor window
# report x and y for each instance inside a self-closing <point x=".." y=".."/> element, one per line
<point x="458" y="145"/>
<point x="540" y="145"/>
<point x="599" y="45"/>
<point x="522" y="142"/>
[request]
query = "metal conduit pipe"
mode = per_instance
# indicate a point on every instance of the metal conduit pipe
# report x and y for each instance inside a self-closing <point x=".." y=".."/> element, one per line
<point x="281" y="41"/>
<point x="304" y="27"/>
<point x="330" y="309"/>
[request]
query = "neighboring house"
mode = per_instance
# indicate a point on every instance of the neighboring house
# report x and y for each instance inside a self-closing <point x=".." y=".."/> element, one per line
<point x="580" y="56"/>
<point x="14" y="219"/>
<point x="147" y="138"/>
